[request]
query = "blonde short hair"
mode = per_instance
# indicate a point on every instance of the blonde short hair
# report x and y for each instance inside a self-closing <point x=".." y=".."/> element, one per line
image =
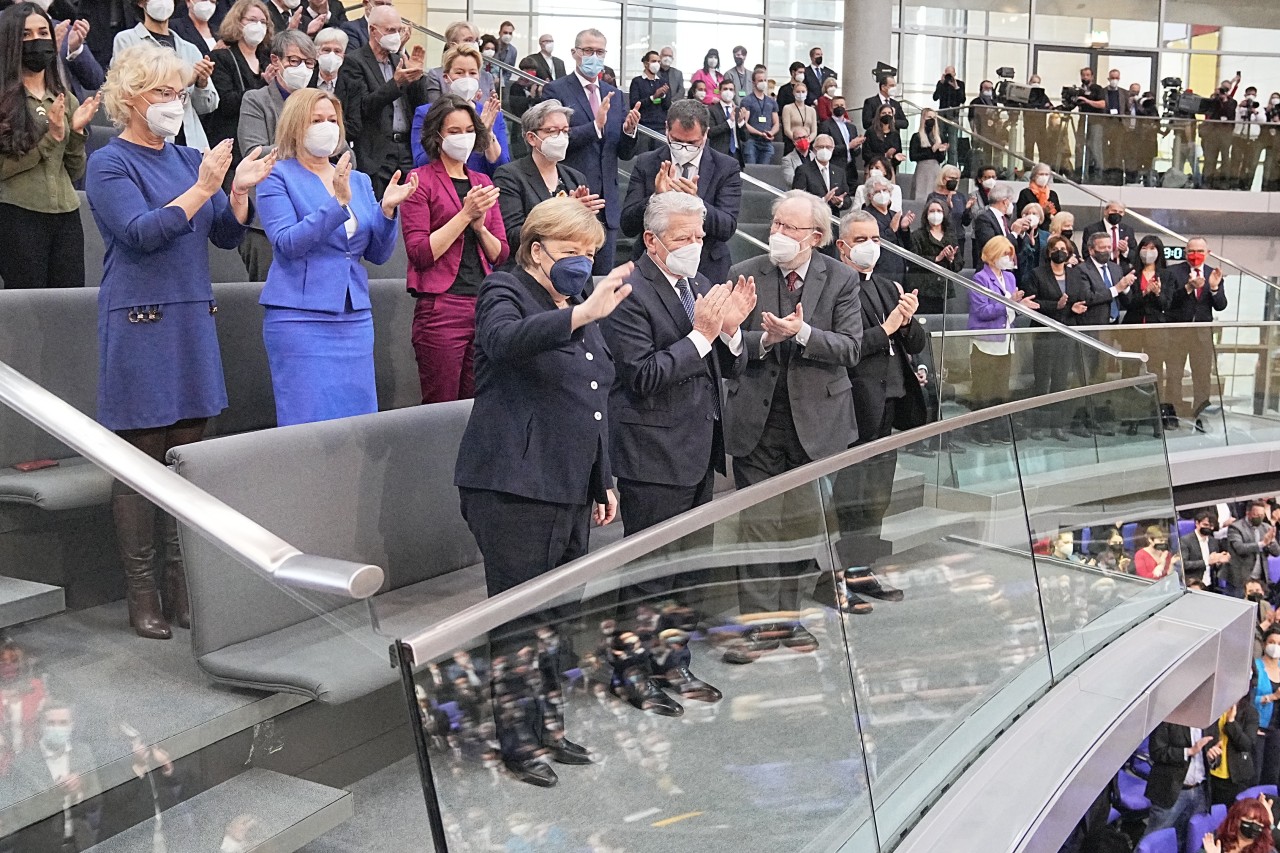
<point x="458" y="51"/>
<point x="559" y="218"/>
<point x="948" y="172"/>
<point x="997" y="247"/>
<point x="1056" y="224"/>
<point x="232" y="30"/>
<point x="1033" y="207"/>
<point x="296" y="118"/>
<point x="136" y="70"/>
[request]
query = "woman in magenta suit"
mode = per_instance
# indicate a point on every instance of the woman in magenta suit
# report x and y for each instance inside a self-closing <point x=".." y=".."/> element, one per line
<point x="454" y="237"/>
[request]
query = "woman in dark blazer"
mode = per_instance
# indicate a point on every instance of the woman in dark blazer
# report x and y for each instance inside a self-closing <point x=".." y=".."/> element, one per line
<point x="454" y="237"/>
<point x="322" y="220"/>
<point x="533" y="469"/>
<point x="1052" y="356"/>
<point x="529" y="181"/>
<point x="240" y="66"/>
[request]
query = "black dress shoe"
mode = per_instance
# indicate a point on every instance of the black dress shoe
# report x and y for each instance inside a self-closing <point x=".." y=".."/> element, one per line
<point x="752" y="644"/>
<point x="865" y="583"/>
<point x="1079" y="429"/>
<point x="856" y="605"/>
<point x="1059" y="434"/>
<point x="800" y="638"/>
<point x="688" y="685"/>
<point x="570" y="746"/>
<point x="564" y="755"/>
<point x="532" y="772"/>
<point x="642" y="693"/>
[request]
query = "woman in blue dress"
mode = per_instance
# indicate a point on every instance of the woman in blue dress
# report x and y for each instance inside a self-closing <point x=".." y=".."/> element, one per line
<point x="321" y="220"/>
<point x="158" y="206"/>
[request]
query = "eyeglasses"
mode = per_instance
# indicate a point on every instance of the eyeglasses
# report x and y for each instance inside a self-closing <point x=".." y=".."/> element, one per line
<point x="587" y="51"/>
<point x="545" y="133"/>
<point x="790" y="229"/>
<point x="166" y="95"/>
<point x="295" y="61"/>
<point x="683" y="147"/>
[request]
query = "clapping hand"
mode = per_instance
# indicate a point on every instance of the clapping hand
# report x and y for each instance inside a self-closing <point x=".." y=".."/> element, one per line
<point x="1215" y="279"/>
<point x="295" y="20"/>
<point x="213" y="167"/>
<point x="255" y="167"/>
<point x="397" y="193"/>
<point x="1210" y="843"/>
<point x="478" y="201"/>
<point x="85" y="112"/>
<point x="632" y="121"/>
<point x="492" y="107"/>
<point x="778" y="329"/>
<point x="606" y="296"/>
<point x="708" y="311"/>
<point x="662" y="180"/>
<point x="1062" y="301"/>
<point x="662" y="90"/>
<point x="742" y="299"/>
<point x="317" y="23"/>
<point x="203" y="71"/>
<point x="908" y="304"/>
<point x="1123" y="246"/>
<point x="342" y="179"/>
<point x="1126" y="282"/>
<point x="908" y="218"/>
<point x="58" y="118"/>
<point x="602" y="112"/>
<point x="590" y="200"/>
<point x="1026" y="300"/>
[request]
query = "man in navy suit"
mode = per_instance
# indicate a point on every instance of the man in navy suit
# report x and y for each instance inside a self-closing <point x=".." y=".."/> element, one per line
<point x="688" y="165"/>
<point x="815" y="74"/>
<point x="1195" y="293"/>
<point x="601" y="131"/>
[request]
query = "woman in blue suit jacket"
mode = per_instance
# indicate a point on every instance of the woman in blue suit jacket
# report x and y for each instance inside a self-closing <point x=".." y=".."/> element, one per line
<point x="321" y="220"/>
<point x="461" y="71"/>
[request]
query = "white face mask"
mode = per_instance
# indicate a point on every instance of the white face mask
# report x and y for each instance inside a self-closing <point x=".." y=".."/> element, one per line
<point x="295" y="78"/>
<point x="507" y="38"/>
<point x="459" y="146"/>
<point x="1113" y="84"/>
<point x="882" y="199"/>
<point x="684" y="261"/>
<point x="253" y="33"/>
<point x="1033" y="219"/>
<point x="726" y="96"/>
<point x="683" y="158"/>
<point x="1273" y="651"/>
<point x="555" y="147"/>
<point x="488" y="53"/>
<point x="390" y="42"/>
<point x="203" y="9"/>
<point x="548" y="48"/>
<point x="465" y="87"/>
<point x="798" y="77"/>
<point x="800" y="96"/>
<point x="782" y="249"/>
<point x="655" y="67"/>
<point x="935" y="218"/>
<point x="988" y="184"/>
<point x="865" y="255"/>
<point x="1149" y="256"/>
<point x="1042" y="180"/>
<point x="165" y="120"/>
<point x="666" y="61"/>
<point x="1006" y="263"/>
<point x="159" y="10"/>
<point x="321" y="139"/>
<point x="876" y="173"/>
<point x="823" y="155"/>
<point x="329" y="62"/>
<point x="762" y="85"/>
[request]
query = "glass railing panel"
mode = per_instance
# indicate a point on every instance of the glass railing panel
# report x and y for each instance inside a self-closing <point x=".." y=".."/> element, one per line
<point x="1103" y="526"/>
<point x="771" y="751"/>
<point x="959" y="649"/>
<point x="1247" y="376"/>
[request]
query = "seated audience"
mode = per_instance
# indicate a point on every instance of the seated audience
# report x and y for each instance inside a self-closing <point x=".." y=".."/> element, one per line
<point x="318" y="326"/>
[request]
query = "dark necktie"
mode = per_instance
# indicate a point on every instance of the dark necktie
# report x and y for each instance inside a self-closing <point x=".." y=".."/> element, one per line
<point x="793" y="278"/>
<point x="686" y="169"/>
<point x="686" y="299"/>
<point x="1106" y="279"/>
<point x="733" y="129"/>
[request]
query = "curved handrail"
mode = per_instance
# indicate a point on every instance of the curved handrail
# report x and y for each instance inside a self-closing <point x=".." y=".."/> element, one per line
<point x="1084" y="188"/>
<point x="240" y="537"/>
<point x="455" y="631"/>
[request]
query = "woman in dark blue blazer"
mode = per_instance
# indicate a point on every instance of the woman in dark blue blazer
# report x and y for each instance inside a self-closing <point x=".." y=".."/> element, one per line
<point x="321" y="220"/>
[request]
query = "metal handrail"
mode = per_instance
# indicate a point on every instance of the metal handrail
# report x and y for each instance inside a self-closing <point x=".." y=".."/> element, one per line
<point x="238" y="536"/>
<point x="454" y="632"/>
<point x="1103" y="200"/>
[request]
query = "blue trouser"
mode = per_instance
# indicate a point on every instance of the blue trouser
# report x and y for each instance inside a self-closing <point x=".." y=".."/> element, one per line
<point x="1190" y="802"/>
<point x="758" y="151"/>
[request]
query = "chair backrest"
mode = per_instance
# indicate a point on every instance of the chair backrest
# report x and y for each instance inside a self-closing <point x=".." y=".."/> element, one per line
<point x="1129" y="532"/>
<point x="1252" y="793"/>
<point x="1273" y="569"/>
<point x="376" y="488"/>
<point x="1160" y="841"/>
<point x="1196" y="829"/>
<point x="1185" y="526"/>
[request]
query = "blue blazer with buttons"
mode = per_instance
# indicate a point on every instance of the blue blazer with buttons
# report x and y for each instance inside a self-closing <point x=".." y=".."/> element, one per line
<point x="316" y="266"/>
<point x="539" y="427"/>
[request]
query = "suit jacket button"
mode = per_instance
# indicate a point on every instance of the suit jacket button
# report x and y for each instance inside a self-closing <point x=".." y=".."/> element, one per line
<point x="599" y="416"/>
<point x="594" y="385"/>
<point x="590" y="357"/>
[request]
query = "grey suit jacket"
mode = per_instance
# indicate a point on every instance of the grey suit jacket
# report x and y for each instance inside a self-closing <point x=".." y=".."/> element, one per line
<point x="675" y="79"/>
<point x="817" y="374"/>
<point x="1245" y="551"/>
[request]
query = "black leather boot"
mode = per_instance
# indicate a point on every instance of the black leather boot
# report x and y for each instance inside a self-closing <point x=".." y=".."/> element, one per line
<point x="135" y="518"/>
<point x="177" y="608"/>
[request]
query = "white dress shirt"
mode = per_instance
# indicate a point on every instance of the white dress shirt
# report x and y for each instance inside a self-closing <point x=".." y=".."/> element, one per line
<point x="700" y="340"/>
<point x="1195" y="770"/>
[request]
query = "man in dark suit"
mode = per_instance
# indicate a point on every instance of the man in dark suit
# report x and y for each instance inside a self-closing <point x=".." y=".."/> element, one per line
<point x="1124" y="242"/>
<point x="1195" y="292"/>
<point x="549" y="67"/>
<point x="673" y="340"/>
<point x="814" y="75"/>
<point x="688" y="165"/>
<point x="847" y="140"/>
<point x="380" y="87"/>
<point x="601" y="132"/>
<point x="725" y="134"/>
<point x="1096" y="290"/>
<point x="1250" y="541"/>
<point x="820" y="177"/>
<point x="886" y="396"/>
<point x="997" y="220"/>
<point x="62" y="760"/>
<point x="1202" y="552"/>
<point x="871" y="106"/>
<point x="1176" y="786"/>
<point x="794" y="402"/>
<point x="318" y="14"/>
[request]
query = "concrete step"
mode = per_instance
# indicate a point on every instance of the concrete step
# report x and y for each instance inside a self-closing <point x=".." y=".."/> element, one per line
<point x="281" y="813"/>
<point x="26" y="601"/>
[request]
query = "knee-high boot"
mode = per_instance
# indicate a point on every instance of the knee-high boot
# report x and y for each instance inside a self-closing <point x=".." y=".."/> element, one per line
<point x="135" y="518"/>
<point x="177" y="608"/>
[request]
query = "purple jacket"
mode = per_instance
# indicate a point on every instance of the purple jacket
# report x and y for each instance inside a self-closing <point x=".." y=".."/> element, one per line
<point x="985" y="312"/>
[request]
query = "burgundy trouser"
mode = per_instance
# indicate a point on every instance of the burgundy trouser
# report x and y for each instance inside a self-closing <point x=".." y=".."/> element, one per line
<point x="444" y="334"/>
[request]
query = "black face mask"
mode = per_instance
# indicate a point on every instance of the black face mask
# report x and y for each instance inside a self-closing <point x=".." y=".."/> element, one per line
<point x="1114" y="218"/>
<point x="38" y="54"/>
<point x="1061" y="256"/>
<point x="928" y="126"/>
<point x="1067" y="232"/>
<point x="951" y="185"/>
<point x="838" y="112"/>
<point x="1254" y="596"/>
<point x="1250" y="829"/>
<point x="886" y="120"/>
<point x="817" y="62"/>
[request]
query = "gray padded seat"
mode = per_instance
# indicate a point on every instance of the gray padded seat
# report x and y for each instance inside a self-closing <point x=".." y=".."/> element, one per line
<point x="376" y="488"/>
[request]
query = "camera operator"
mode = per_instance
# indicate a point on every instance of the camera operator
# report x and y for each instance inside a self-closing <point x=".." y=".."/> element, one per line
<point x="949" y="93"/>
<point x="1215" y="134"/>
<point x="1140" y="130"/>
<point x="1271" y="146"/>
<point x="1036" y="142"/>
<point x="986" y="120"/>
<point x="1091" y="101"/>
<point x="1247" y="140"/>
